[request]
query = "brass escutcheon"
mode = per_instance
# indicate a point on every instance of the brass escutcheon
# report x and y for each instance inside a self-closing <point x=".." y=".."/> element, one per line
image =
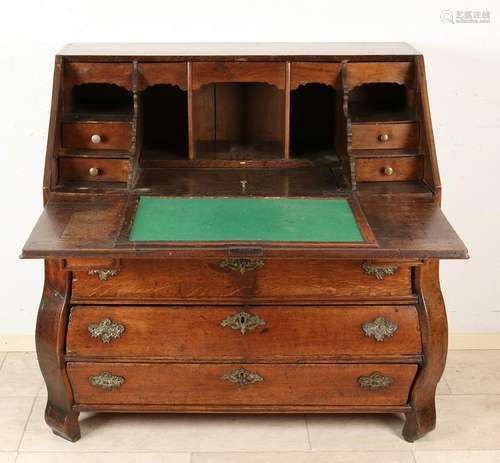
<point x="106" y="380"/>
<point x="380" y="328"/>
<point x="243" y="321"/>
<point x="106" y="330"/>
<point x="375" y="381"/>
<point x="242" y="264"/>
<point x="242" y="377"/>
<point x="379" y="271"/>
<point x="103" y="275"/>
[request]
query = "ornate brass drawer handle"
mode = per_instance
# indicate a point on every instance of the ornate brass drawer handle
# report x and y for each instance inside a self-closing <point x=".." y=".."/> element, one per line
<point x="375" y="381"/>
<point x="380" y="328"/>
<point x="107" y="381"/>
<point x="243" y="321"/>
<point x="379" y="271"/>
<point x="242" y="377"/>
<point x="106" y="330"/>
<point x="242" y="264"/>
<point x="103" y="274"/>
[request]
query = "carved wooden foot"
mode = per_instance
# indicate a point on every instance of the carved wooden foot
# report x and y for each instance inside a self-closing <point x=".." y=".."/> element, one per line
<point x="63" y="424"/>
<point x="419" y="422"/>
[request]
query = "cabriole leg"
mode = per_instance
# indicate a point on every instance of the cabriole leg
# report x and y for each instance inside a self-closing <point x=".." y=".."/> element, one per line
<point x="433" y="324"/>
<point x="50" y="345"/>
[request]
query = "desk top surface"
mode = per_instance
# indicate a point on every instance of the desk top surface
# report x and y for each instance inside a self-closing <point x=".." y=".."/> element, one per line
<point x="239" y="49"/>
<point x="100" y="225"/>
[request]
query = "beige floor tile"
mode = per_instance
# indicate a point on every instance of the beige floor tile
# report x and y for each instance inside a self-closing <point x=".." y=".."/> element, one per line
<point x="20" y="375"/>
<point x="357" y="432"/>
<point x="51" y="457"/>
<point x="14" y="412"/>
<point x="473" y="371"/>
<point x="462" y="456"/>
<point x="470" y="422"/>
<point x="167" y="433"/>
<point x="443" y="388"/>
<point x="304" y="457"/>
<point x="2" y="357"/>
<point x="8" y="457"/>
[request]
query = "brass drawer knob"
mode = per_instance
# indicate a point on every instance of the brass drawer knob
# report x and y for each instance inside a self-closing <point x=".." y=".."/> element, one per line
<point x="106" y="330"/>
<point x="388" y="171"/>
<point x="106" y="380"/>
<point x="242" y="265"/>
<point x="242" y="377"/>
<point x="375" y="381"/>
<point x="94" y="171"/>
<point x="380" y="328"/>
<point x="383" y="137"/>
<point x="243" y="321"/>
<point x="95" y="139"/>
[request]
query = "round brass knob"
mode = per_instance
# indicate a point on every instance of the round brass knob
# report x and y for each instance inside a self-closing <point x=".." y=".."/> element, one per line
<point x="96" y="138"/>
<point x="94" y="171"/>
<point x="388" y="170"/>
<point x="383" y="137"/>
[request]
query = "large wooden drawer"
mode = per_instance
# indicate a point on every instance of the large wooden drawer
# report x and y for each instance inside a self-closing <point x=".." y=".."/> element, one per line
<point x="225" y="281"/>
<point x="221" y="384"/>
<point x="235" y="333"/>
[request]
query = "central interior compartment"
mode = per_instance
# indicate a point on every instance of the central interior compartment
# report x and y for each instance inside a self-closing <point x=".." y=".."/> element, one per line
<point x="165" y="123"/>
<point x="238" y="121"/>
<point x="312" y="121"/>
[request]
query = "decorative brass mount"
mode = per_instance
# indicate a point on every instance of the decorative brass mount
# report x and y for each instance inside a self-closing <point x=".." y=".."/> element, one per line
<point x="103" y="274"/>
<point x="242" y="264"/>
<point x="375" y="381"/>
<point x="106" y="330"/>
<point x="243" y="321"/>
<point x="380" y="328"/>
<point x="106" y="380"/>
<point x="243" y="377"/>
<point x="379" y="271"/>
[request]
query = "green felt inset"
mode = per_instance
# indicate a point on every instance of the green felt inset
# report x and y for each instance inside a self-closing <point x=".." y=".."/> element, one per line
<point x="244" y="219"/>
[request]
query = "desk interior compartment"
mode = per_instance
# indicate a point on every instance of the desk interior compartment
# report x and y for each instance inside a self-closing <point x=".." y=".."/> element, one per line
<point x="312" y="121"/>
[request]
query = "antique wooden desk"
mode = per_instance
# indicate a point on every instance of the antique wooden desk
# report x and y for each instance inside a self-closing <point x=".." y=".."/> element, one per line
<point x="241" y="228"/>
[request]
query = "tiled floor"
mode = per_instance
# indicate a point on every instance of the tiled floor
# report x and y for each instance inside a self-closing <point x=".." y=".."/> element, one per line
<point x="468" y="427"/>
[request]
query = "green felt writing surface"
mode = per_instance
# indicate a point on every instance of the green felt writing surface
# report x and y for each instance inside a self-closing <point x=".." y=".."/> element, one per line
<point x="244" y="219"/>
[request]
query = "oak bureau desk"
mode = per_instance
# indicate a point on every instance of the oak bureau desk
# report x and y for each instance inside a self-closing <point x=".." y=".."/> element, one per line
<point x="241" y="228"/>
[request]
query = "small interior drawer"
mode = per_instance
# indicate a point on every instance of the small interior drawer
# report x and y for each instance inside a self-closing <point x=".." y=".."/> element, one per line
<point x="363" y="73"/>
<point x="97" y="135"/>
<point x="215" y="72"/>
<point x="385" y="136"/>
<point x="93" y="169"/>
<point x="390" y="169"/>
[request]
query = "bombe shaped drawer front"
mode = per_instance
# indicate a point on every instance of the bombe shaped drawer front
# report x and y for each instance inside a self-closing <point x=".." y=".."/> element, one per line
<point x="241" y="280"/>
<point x="250" y="385"/>
<point x="297" y="333"/>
